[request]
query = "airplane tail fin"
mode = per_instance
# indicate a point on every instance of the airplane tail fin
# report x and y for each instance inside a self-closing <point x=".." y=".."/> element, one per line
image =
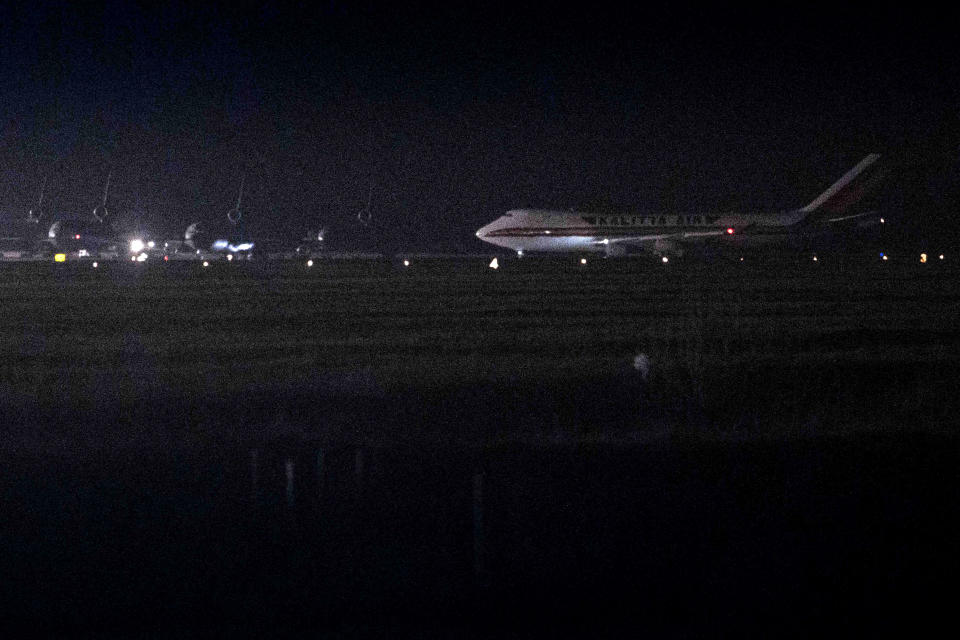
<point x="838" y="201"/>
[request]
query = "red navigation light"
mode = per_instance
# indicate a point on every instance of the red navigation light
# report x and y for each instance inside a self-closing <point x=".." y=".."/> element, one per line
<point x="729" y="231"/>
<point x="166" y="258"/>
<point x="76" y="237"/>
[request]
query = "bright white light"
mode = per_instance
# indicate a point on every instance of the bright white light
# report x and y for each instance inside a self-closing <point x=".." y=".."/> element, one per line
<point x="664" y="259"/>
<point x="206" y="264"/>
<point x="494" y="264"/>
<point x="319" y="238"/>
<point x="94" y="265"/>
<point x="605" y="241"/>
<point x="83" y="253"/>
<point x="151" y="244"/>
<point x="941" y="256"/>
<point x="814" y="258"/>
<point x="406" y="263"/>
<point x="882" y="221"/>
<point x="741" y="258"/>
<point x="583" y="261"/>
<point x="142" y="257"/>
<point x="309" y="263"/>
<point x="220" y="245"/>
<point x="884" y="257"/>
<point x="519" y="253"/>
<point x="229" y="257"/>
<point x="136" y="245"/>
<point x="730" y="231"/>
<point x="923" y="258"/>
<point x="133" y="258"/>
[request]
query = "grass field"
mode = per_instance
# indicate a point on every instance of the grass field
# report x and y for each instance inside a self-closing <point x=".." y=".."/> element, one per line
<point x="445" y="449"/>
<point x="537" y="340"/>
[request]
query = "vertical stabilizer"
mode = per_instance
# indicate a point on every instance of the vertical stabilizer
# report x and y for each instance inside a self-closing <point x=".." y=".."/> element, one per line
<point x="848" y="190"/>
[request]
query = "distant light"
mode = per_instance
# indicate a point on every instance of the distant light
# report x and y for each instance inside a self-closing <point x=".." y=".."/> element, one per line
<point x="166" y="244"/>
<point x="406" y="263"/>
<point x="814" y="258"/>
<point x="583" y="261"/>
<point x="941" y="256"/>
<point x="166" y="258"/>
<point x="220" y="245"/>
<point x="76" y="237"/>
<point x="319" y="238"/>
<point x="60" y="257"/>
<point x="730" y="231"/>
<point x="94" y="265"/>
<point x="83" y="253"/>
<point x="494" y="264"/>
<point x="741" y="258"/>
<point x="309" y="263"/>
<point x="206" y="264"/>
<point x="605" y="241"/>
<point x="229" y="257"/>
<point x="884" y="257"/>
<point x="548" y="232"/>
<point x="520" y="251"/>
<point x="133" y="258"/>
<point x="142" y="257"/>
<point x="882" y="221"/>
<point x="136" y="245"/>
<point x="151" y="244"/>
<point x="665" y="259"/>
<point x="923" y="258"/>
<point x="198" y="251"/>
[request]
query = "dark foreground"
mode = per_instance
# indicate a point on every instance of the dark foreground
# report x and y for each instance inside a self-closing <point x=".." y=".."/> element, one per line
<point x="450" y="451"/>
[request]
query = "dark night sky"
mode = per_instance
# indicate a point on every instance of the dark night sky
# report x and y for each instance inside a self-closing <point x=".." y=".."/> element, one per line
<point x="453" y="115"/>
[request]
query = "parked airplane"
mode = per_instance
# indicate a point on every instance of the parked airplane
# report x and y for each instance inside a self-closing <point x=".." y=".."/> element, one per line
<point x="542" y="230"/>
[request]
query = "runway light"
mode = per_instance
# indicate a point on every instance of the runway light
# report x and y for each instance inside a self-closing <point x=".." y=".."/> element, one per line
<point x="206" y="264"/>
<point x="583" y="261"/>
<point x="406" y="263"/>
<point x="60" y="257"/>
<point x="309" y="263"/>
<point x="664" y="259"/>
<point x="923" y="258"/>
<point x="494" y="264"/>
<point x="136" y="245"/>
